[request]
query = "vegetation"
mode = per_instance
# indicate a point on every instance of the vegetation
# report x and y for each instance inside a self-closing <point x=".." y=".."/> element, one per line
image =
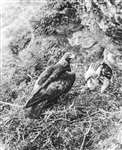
<point x="39" y="35"/>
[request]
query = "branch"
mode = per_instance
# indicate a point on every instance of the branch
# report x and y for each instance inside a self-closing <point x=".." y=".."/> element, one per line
<point x="85" y="135"/>
<point x="13" y="105"/>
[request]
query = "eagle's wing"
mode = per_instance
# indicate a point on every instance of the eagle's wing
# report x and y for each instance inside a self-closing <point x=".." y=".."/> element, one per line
<point x="49" y="75"/>
<point x="54" y="89"/>
<point x="38" y="84"/>
<point x="35" y="99"/>
<point x="42" y="78"/>
<point x="61" y="85"/>
<point x="57" y="72"/>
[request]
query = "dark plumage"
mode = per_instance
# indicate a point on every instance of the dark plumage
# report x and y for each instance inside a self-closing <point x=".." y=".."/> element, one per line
<point x="98" y="73"/>
<point x="106" y="71"/>
<point x="53" y="82"/>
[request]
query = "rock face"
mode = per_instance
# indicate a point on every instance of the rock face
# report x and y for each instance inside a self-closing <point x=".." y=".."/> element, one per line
<point x="110" y="18"/>
<point x="82" y="38"/>
<point x="113" y="58"/>
<point x="20" y="42"/>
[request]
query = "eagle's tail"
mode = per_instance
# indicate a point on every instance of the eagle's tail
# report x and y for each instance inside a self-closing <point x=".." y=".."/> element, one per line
<point x="34" y="100"/>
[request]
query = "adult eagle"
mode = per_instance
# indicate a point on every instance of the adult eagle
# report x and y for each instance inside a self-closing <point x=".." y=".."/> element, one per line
<point x="53" y="82"/>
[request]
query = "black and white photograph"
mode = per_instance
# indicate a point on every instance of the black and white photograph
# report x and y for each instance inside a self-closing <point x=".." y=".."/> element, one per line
<point x="61" y="75"/>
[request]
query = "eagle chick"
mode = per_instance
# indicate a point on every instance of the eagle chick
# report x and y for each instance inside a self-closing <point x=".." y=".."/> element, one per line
<point x="98" y="73"/>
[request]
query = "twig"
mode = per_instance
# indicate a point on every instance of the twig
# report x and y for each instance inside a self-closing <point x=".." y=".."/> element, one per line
<point x="30" y="76"/>
<point x="84" y="138"/>
<point x="13" y="105"/>
<point x="111" y="114"/>
<point x="95" y="42"/>
<point x="45" y="144"/>
<point x="36" y="137"/>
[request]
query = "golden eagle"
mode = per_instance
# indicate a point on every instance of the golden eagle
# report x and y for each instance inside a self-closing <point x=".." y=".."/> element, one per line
<point x="53" y="82"/>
